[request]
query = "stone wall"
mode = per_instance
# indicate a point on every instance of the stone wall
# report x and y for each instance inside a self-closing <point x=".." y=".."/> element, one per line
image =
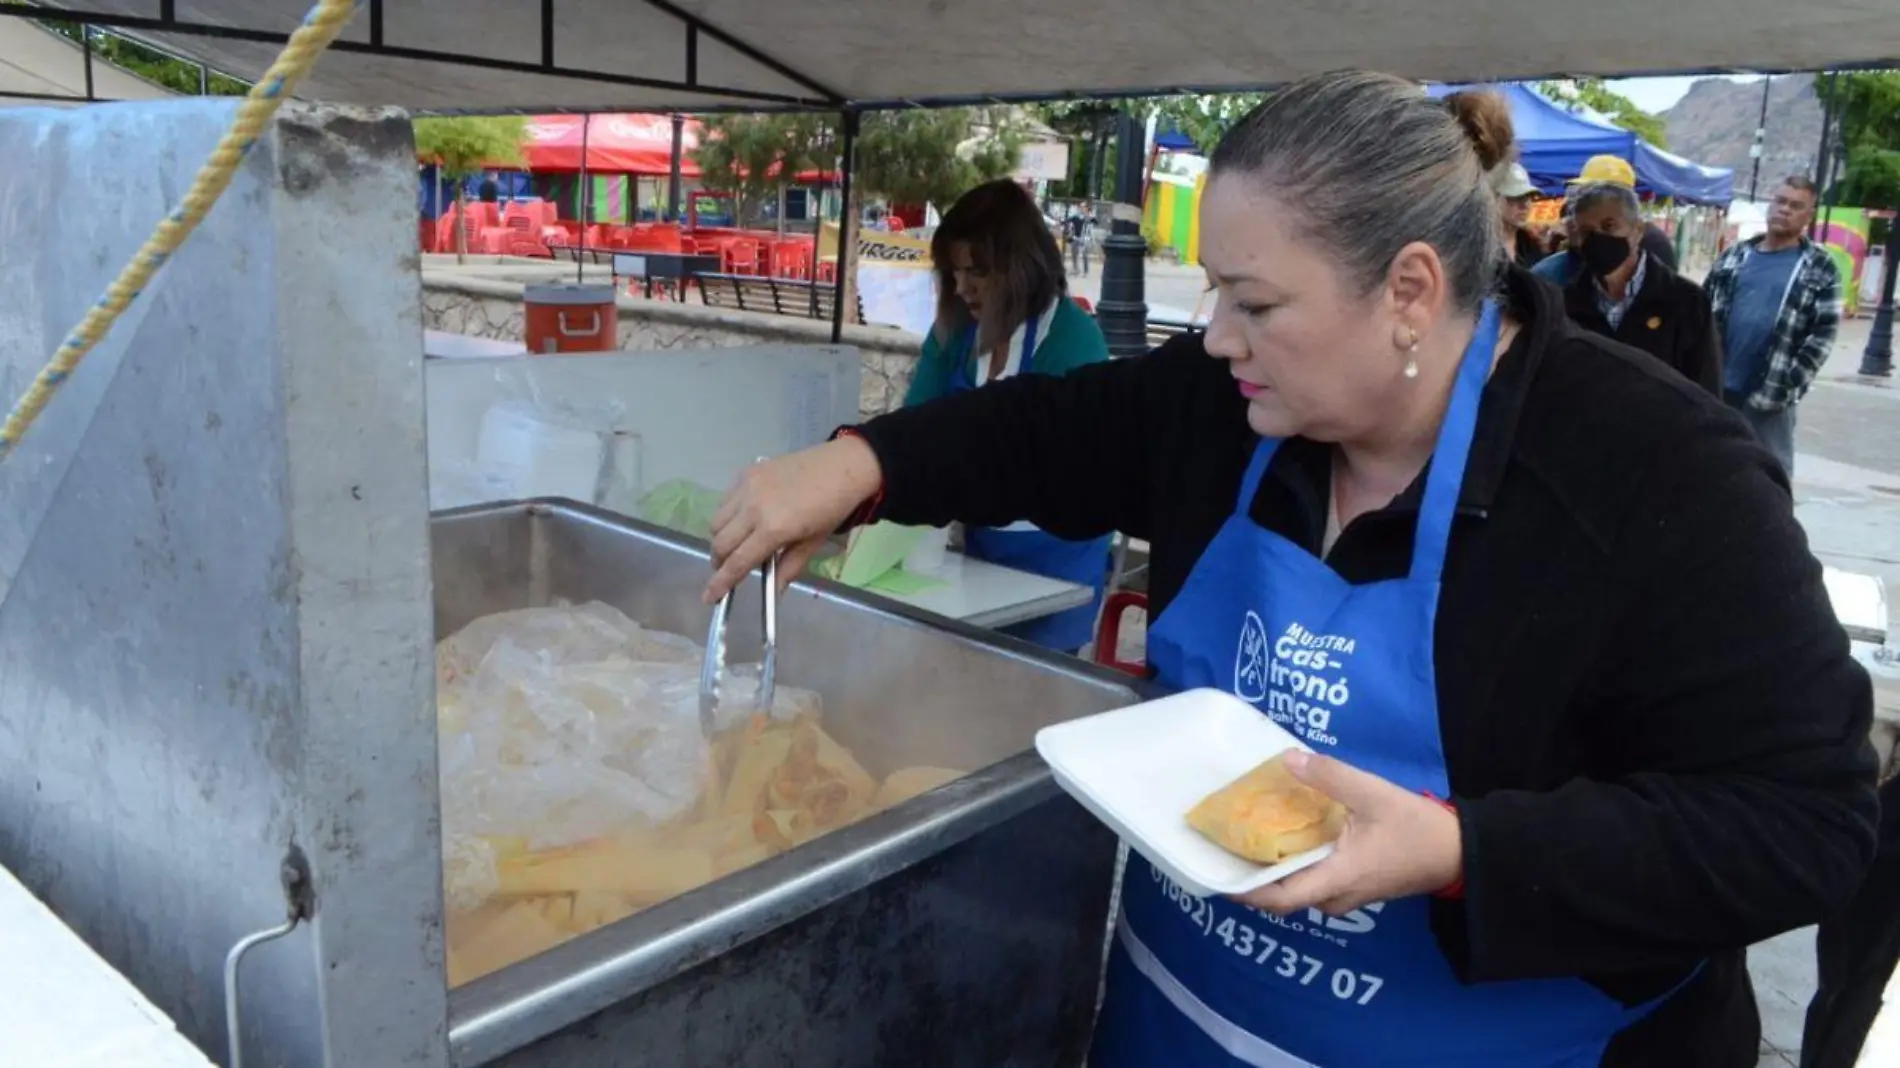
<point x="491" y="307"/>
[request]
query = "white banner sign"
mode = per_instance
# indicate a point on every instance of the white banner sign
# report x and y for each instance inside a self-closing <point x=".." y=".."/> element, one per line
<point x="1046" y="161"/>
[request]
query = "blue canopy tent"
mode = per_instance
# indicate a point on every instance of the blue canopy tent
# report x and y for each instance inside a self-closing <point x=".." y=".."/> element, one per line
<point x="1669" y="175"/>
<point x="1554" y="144"/>
<point x="435" y="194"/>
<point x="1170" y="139"/>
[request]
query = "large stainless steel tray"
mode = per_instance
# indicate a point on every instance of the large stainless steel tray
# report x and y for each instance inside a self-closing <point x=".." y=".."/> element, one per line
<point x="963" y="927"/>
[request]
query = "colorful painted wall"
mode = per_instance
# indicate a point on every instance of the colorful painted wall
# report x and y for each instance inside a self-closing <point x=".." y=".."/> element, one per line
<point x="1846" y="239"/>
<point x="611" y="199"/>
<point x="1173" y="214"/>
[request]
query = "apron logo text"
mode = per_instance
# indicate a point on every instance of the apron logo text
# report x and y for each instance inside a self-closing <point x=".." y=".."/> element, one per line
<point x="1301" y="678"/>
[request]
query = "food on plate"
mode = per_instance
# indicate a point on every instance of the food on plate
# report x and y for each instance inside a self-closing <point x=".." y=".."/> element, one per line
<point x="578" y="788"/>
<point x="1267" y="815"/>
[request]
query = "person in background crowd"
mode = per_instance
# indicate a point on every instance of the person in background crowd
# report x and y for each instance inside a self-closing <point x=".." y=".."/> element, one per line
<point x="1078" y="234"/>
<point x="1778" y="300"/>
<point x="1564" y="267"/>
<point x="1555" y="240"/>
<point x="1587" y="704"/>
<point x="1516" y="192"/>
<point x="1003" y="309"/>
<point x="1628" y="296"/>
<point x="490" y="192"/>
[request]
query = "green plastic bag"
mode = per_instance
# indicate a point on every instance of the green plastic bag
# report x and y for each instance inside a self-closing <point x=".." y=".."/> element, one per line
<point x="681" y="505"/>
<point x="873" y="559"/>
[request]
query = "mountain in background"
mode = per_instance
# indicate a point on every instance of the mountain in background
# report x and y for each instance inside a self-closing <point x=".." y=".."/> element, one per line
<point x="1714" y="123"/>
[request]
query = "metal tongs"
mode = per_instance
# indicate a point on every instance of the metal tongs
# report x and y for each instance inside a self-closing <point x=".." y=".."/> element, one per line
<point x="715" y="665"/>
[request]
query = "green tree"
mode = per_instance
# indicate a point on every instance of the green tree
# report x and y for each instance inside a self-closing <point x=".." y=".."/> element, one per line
<point x="1868" y="105"/>
<point x="756" y="157"/>
<point x="462" y="146"/>
<point x="1204" y="119"/>
<point x="912" y="157"/>
<point x="1592" y="93"/>
<point x="934" y="156"/>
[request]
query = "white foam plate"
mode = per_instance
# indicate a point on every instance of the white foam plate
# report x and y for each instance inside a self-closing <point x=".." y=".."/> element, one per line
<point x="1140" y="769"/>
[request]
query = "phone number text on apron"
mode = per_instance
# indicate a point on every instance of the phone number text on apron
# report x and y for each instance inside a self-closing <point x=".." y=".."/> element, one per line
<point x="1267" y="952"/>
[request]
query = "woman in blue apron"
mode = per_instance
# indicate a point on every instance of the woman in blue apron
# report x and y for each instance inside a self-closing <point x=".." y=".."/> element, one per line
<point x="1540" y="608"/>
<point x="1003" y="310"/>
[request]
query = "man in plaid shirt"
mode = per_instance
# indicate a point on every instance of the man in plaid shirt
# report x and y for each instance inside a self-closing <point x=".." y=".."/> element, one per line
<point x="1777" y="299"/>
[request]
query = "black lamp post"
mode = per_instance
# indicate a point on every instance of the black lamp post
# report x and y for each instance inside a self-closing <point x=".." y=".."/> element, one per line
<point x="1877" y="358"/>
<point x="1123" y="310"/>
<point x="673" y="171"/>
<point x="1760" y="147"/>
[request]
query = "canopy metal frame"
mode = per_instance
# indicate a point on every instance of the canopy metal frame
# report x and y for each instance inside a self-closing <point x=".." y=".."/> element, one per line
<point x="821" y="97"/>
<point x="89" y="58"/>
<point x="816" y="95"/>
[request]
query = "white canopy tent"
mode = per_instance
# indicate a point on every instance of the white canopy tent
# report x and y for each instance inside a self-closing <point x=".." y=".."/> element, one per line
<point x="40" y="67"/>
<point x="708" y="55"/>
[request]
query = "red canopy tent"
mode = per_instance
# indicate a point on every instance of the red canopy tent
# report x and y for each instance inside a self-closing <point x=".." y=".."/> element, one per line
<point x="616" y="144"/>
<point x="622" y="144"/>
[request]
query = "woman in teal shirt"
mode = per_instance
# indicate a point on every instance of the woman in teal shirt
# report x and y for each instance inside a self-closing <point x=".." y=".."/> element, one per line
<point x="1003" y="309"/>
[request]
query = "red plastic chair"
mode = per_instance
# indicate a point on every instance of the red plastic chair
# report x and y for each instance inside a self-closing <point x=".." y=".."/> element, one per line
<point x="493" y="241"/>
<point x="445" y="232"/>
<point x="521" y="245"/>
<point x="741" y="257"/>
<point x="1108" y="632"/>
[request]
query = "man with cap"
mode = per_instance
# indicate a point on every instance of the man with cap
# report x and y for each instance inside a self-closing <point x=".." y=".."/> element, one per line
<point x="1515" y="192"/>
<point x="1566" y="267"/>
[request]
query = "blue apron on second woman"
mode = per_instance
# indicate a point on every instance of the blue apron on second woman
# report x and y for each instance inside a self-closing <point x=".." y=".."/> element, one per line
<point x="1025" y="547"/>
<point x="1210" y="983"/>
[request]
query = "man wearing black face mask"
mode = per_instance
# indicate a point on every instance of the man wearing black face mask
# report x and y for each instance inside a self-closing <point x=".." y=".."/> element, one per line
<point x="1624" y="294"/>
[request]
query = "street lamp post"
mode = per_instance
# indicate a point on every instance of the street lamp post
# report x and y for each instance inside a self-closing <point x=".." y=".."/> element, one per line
<point x="1756" y="150"/>
<point x="1877" y="358"/>
<point x="1123" y="310"/>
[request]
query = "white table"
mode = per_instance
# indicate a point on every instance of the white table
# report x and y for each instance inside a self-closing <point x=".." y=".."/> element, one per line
<point x="1882" y="1049"/>
<point x="1860" y="603"/>
<point x="442" y="344"/>
<point x="62" y="1006"/>
<point x="983" y="594"/>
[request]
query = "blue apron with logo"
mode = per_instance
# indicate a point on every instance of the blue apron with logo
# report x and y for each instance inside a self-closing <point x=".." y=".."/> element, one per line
<point x="1026" y="548"/>
<point x="1209" y="983"/>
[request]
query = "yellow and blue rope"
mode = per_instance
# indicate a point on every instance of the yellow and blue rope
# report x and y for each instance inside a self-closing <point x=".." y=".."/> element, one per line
<point x="320" y="27"/>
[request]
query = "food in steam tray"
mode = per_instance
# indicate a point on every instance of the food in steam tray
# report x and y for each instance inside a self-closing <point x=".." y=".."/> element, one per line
<point x="1267" y="815"/>
<point x="578" y="789"/>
